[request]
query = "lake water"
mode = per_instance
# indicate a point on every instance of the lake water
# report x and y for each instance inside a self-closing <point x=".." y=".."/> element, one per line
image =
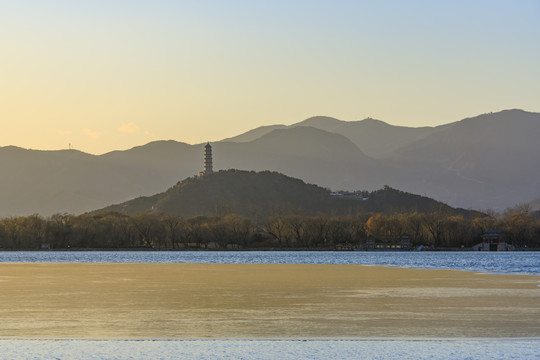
<point x="493" y="262"/>
<point x="273" y="349"/>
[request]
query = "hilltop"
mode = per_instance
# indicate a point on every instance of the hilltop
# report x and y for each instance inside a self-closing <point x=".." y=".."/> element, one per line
<point x="259" y="195"/>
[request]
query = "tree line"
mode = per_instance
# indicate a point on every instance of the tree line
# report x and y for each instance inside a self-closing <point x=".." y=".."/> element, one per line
<point x="233" y="231"/>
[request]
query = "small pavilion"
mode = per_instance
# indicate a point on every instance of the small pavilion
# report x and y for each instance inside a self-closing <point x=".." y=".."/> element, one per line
<point x="493" y="240"/>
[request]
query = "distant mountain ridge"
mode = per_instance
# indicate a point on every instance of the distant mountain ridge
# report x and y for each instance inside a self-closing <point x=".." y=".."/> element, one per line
<point x="491" y="158"/>
<point x="313" y="155"/>
<point x="374" y="138"/>
<point x="487" y="161"/>
<point x="71" y="181"/>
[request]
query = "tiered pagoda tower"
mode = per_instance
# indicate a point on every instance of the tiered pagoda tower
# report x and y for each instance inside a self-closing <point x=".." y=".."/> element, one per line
<point x="208" y="159"/>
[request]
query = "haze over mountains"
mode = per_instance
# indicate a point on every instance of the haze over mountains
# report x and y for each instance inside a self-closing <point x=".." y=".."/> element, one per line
<point x="488" y="161"/>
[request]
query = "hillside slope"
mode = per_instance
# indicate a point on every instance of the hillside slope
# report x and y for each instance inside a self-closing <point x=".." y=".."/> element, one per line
<point x="259" y="195"/>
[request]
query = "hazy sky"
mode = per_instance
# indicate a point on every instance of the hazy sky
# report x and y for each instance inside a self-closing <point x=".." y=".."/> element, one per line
<point x="114" y="74"/>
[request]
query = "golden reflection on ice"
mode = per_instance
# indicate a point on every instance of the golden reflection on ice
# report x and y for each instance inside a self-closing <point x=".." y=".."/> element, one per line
<point x="260" y="300"/>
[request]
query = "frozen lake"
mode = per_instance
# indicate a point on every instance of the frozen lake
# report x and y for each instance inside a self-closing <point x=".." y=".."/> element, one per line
<point x="508" y="262"/>
<point x="494" y="262"/>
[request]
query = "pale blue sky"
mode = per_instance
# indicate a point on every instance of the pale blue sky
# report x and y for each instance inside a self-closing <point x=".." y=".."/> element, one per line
<point x="106" y="75"/>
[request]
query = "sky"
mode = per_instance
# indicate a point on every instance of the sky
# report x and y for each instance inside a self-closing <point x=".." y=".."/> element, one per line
<point x="103" y="75"/>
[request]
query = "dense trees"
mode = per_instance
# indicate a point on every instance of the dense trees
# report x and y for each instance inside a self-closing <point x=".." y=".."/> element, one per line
<point x="233" y="231"/>
<point x="146" y="231"/>
<point x="236" y="209"/>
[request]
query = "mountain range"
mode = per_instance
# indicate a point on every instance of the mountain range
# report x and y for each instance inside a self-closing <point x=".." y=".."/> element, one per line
<point x="487" y="161"/>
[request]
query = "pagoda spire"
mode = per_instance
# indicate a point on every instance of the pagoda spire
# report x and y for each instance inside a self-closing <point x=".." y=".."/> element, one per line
<point x="208" y="168"/>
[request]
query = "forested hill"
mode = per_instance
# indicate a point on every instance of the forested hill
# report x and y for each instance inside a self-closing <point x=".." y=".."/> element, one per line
<point x="259" y="195"/>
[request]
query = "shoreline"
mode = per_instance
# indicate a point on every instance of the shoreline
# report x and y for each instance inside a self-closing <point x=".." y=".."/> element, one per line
<point x="277" y="339"/>
<point x="265" y="250"/>
<point x="262" y="301"/>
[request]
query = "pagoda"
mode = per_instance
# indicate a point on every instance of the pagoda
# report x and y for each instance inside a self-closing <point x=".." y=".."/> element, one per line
<point x="207" y="160"/>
